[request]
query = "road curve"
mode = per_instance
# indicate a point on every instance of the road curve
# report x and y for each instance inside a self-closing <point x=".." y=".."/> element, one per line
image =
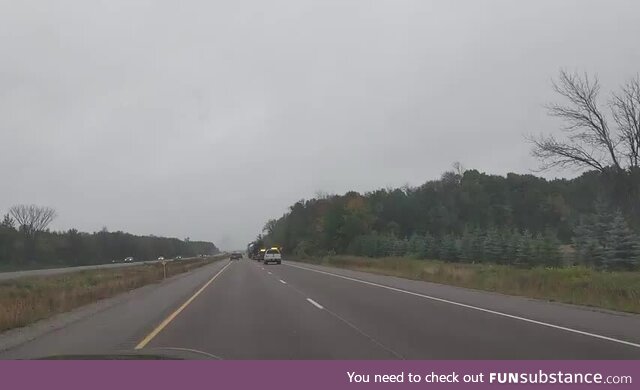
<point x="246" y="310"/>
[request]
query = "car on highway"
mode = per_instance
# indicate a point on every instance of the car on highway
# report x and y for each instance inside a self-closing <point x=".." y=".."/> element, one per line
<point x="178" y="258"/>
<point x="160" y="258"/>
<point x="128" y="260"/>
<point x="236" y="256"/>
<point x="272" y="256"/>
<point x="260" y="255"/>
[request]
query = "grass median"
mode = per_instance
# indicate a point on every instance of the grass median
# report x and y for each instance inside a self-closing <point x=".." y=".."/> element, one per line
<point x="27" y="300"/>
<point x="576" y="285"/>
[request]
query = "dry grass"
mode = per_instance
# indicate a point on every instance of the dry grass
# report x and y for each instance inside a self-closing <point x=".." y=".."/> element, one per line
<point x="576" y="285"/>
<point x="26" y="300"/>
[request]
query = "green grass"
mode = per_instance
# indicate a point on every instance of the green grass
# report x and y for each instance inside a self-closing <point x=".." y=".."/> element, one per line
<point x="576" y="285"/>
<point x="26" y="300"/>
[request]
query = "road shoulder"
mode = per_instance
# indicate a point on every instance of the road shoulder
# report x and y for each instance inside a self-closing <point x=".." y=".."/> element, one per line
<point x="619" y="325"/>
<point x="116" y="321"/>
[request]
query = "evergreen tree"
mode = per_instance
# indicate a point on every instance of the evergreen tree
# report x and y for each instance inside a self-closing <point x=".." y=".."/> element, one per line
<point x="525" y="250"/>
<point x="400" y="247"/>
<point x="622" y="251"/>
<point x="466" y="246"/>
<point x="449" y="249"/>
<point x="589" y="250"/>
<point x="416" y="245"/>
<point x="477" y="245"/>
<point x="492" y="246"/>
<point x="549" y="250"/>
<point x="507" y="247"/>
<point x="538" y="257"/>
<point x="602" y="222"/>
<point x="582" y="237"/>
<point x="510" y="242"/>
<point x="432" y="250"/>
<point x="371" y="244"/>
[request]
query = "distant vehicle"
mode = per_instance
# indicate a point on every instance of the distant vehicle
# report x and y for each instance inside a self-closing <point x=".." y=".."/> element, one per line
<point x="178" y="257"/>
<point x="252" y="249"/>
<point x="255" y="250"/>
<point x="272" y="256"/>
<point x="128" y="260"/>
<point x="236" y="256"/>
<point x="160" y="258"/>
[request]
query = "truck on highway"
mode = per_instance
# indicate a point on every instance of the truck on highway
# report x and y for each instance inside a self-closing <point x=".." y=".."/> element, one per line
<point x="251" y="248"/>
<point x="272" y="255"/>
<point x="255" y="250"/>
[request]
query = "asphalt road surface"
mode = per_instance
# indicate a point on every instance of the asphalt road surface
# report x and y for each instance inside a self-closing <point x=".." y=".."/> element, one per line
<point x="247" y="310"/>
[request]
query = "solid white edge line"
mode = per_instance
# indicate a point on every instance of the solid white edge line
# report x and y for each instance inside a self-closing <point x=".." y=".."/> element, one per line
<point x="282" y="281"/>
<point x="594" y="335"/>
<point x="314" y="303"/>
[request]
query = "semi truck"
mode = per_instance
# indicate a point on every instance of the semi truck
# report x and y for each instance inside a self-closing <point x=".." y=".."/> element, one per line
<point x="253" y="250"/>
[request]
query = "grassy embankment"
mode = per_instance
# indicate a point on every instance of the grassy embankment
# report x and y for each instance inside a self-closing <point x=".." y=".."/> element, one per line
<point x="576" y="285"/>
<point x="26" y="300"/>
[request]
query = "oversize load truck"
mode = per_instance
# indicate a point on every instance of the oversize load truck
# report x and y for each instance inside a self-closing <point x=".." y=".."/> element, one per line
<point x="253" y="250"/>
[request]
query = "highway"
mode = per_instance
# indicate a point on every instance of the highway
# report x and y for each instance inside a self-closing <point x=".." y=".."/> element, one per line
<point x="247" y="310"/>
<point x="64" y="270"/>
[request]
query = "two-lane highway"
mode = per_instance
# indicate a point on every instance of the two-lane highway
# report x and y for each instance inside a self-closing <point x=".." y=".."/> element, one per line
<point x="295" y="312"/>
<point x="65" y="270"/>
<point x="248" y="314"/>
<point x="247" y="310"/>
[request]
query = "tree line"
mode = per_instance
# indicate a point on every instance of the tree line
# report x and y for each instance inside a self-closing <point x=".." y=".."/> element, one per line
<point x="469" y="216"/>
<point x="25" y="240"/>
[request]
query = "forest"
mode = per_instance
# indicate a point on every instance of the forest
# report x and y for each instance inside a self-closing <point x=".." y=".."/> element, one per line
<point x="469" y="216"/>
<point x="26" y="242"/>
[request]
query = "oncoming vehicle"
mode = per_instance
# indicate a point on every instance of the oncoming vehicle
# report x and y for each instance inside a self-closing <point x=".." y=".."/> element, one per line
<point x="160" y="258"/>
<point x="128" y="260"/>
<point x="272" y="256"/>
<point x="236" y="256"/>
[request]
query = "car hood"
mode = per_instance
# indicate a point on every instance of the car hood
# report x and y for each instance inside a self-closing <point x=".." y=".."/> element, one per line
<point x="166" y="353"/>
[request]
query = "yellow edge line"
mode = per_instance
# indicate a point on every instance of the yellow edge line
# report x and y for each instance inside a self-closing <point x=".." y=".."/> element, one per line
<point x="173" y="315"/>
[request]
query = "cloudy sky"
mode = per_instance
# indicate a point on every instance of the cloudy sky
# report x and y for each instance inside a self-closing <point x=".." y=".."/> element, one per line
<point x="203" y="119"/>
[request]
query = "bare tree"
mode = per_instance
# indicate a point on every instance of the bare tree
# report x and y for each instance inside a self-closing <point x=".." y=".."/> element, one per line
<point x="269" y="227"/>
<point x="458" y="168"/>
<point x="319" y="194"/>
<point x="31" y="220"/>
<point x="454" y="176"/>
<point x="590" y="142"/>
<point x="625" y="107"/>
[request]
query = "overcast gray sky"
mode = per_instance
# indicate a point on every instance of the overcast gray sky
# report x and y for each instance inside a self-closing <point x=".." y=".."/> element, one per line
<point x="206" y="118"/>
